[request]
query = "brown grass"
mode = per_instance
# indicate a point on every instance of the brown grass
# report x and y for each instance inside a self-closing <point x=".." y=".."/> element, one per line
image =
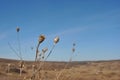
<point x="101" y="70"/>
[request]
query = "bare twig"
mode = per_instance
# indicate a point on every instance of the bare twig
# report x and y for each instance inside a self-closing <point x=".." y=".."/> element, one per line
<point x="14" y="50"/>
<point x="19" y="45"/>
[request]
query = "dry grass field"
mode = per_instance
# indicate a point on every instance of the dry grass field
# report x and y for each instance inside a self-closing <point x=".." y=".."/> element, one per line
<point x="89" y="70"/>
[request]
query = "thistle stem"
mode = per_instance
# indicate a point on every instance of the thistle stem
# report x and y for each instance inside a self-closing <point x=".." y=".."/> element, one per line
<point x="50" y="52"/>
<point x="19" y="46"/>
<point x="37" y="51"/>
<point x="14" y="50"/>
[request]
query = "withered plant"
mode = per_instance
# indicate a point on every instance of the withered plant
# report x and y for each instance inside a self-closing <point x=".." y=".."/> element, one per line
<point x="58" y="76"/>
<point x="40" y="57"/>
<point x="18" y="53"/>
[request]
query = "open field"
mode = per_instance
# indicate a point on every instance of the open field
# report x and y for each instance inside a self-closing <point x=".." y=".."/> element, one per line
<point x="89" y="70"/>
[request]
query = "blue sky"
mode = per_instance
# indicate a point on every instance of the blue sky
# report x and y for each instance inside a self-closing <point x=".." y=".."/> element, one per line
<point x="94" y="25"/>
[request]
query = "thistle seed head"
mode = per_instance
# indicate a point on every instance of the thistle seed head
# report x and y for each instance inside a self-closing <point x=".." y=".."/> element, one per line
<point x="41" y="38"/>
<point x="42" y="57"/>
<point x="44" y="50"/>
<point x="56" y="40"/>
<point x="73" y="49"/>
<point x="21" y="64"/>
<point x="74" y="44"/>
<point x="17" y="29"/>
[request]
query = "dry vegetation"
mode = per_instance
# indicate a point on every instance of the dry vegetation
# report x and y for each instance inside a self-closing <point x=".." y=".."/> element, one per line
<point x="99" y="70"/>
<point x="40" y="69"/>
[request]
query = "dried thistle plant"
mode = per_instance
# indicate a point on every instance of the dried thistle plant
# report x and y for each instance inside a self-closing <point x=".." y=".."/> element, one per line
<point x="40" y="40"/>
<point x="17" y="29"/>
<point x="18" y="53"/>
<point x="56" y="40"/>
<point x="21" y="63"/>
<point x="70" y="59"/>
<point x="44" y="50"/>
<point x="21" y="67"/>
<point x="41" y="56"/>
<point x="18" y="39"/>
<point x="8" y="67"/>
<point x="73" y="51"/>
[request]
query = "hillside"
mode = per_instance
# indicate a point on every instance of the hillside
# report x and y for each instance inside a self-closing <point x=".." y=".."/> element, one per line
<point x="88" y="70"/>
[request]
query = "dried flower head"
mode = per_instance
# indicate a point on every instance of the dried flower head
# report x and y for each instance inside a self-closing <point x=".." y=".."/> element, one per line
<point x="17" y="29"/>
<point x="41" y="38"/>
<point x="21" y="64"/>
<point x="44" y="50"/>
<point x="56" y="39"/>
<point x="73" y="50"/>
<point x="74" y="44"/>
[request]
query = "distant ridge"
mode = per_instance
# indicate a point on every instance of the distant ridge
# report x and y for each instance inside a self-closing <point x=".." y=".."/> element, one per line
<point x="14" y="60"/>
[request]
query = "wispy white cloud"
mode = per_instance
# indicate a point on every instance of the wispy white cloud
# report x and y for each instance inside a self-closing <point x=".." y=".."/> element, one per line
<point x="69" y="31"/>
<point x="104" y="16"/>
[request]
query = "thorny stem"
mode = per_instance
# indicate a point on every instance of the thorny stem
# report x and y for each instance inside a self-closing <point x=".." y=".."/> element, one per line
<point x="50" y="52"/>
<point x="59" y="74"/>
<point x="37" y="51"/>
<point x="46" y="57"/>
<point x="19" y="46"/>
<point x="14" y="50"/>
<point x="41" y="64"/>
